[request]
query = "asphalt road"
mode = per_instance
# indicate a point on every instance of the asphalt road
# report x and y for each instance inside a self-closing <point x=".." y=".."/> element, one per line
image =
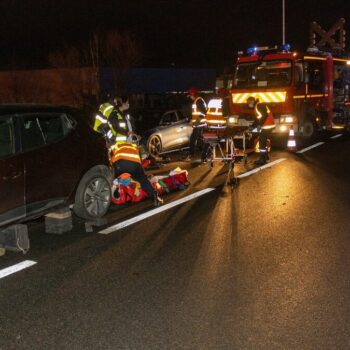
<point x="264" y="265"/>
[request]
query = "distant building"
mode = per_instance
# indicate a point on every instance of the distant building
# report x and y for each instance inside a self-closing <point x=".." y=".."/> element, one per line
<point x="86" y="86"/>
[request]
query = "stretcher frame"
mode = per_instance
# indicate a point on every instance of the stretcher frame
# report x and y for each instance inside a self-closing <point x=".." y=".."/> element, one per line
<point x="222" y="148"/>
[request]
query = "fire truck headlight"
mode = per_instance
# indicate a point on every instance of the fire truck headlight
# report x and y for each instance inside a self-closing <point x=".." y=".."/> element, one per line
<point x="284" y="128"/>
<point x="233" y="119"/>
<point x="288" y="119"/>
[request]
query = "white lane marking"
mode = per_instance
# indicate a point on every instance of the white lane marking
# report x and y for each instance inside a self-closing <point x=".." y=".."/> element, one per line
<point x="311" y="147"/>
<point x="268" y="165"/>
<point x="336" y="136"/>
<point x="15" y="268"/>
<point x="158" y="210"/>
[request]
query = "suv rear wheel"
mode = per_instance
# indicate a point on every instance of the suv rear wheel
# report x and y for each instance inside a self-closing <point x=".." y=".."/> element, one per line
<point x="93" y="196"/>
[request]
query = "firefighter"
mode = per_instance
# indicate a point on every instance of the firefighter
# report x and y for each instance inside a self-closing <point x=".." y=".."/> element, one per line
<point x="264" y="124"/>
<point x="123" y="105"/>
<point x="215" y="121"/>
<point x="111" y="122"/>
<point x="199" y="110"/>
<point x="214" y="117"/>
<point x="126" y="159"/>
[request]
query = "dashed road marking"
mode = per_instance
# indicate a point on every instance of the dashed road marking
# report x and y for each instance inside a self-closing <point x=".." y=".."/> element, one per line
<point x="311" y="147"/>
<point x="158" y="210"/>
<point x="268" y="165"/>
<point x="15" y="268"/>
<point x="336" y="136"/>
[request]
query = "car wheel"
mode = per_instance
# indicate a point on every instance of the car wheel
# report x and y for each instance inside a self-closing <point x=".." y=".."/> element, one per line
<point x="155" y="146"/>
<point x="93" y="196"/>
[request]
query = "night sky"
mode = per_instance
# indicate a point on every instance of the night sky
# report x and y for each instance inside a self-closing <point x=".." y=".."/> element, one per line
<point x="192" y="33"/>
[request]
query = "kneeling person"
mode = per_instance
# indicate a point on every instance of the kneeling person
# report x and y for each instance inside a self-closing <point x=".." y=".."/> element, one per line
<point x="126" y="159"/>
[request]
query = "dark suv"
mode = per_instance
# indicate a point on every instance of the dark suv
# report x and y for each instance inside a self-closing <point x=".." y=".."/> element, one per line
<point x="50" y="157"/>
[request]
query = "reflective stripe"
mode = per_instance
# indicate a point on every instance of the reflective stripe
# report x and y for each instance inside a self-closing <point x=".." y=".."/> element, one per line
<point x="102" y="120"/>
<point x="122" y="124"/>
<point x="126" y="151"/>
<point x="121" y="138"/>
<point x="105" y="110"/>
<point x="214" y="117"/>
<point x="314" y="58"/>
<point x="122" y="154"/>
<point x="200" y="125"/>
<point x="216" y="121"/>
<point x="267" y="97"/>
<point x="194" y="107"/>
<point x="257" y="112"/>
<point x="310" y="96"/>
<point x="215" y="103"/>
<point x="214" y="113"/>
<point x="110" y="134"/>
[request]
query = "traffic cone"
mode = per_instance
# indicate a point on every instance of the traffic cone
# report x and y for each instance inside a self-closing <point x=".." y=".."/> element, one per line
<point x="291" y="143"/>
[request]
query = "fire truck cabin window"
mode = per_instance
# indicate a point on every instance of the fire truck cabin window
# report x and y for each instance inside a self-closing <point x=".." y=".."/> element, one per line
<point x="315" y="75"/>
<point x="265" y="74"/>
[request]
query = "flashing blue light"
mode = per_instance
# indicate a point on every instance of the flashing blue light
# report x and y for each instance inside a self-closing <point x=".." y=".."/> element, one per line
<point x="251" y="50"/>
<point x="286" y="47"/>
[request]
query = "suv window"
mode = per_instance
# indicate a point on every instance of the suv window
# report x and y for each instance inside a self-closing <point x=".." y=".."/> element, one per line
<point x="6" y="138"/>
<point x="42" y="129"/>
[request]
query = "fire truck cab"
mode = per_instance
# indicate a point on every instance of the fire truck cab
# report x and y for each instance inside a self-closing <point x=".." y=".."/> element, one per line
<point x="305" y="91"/>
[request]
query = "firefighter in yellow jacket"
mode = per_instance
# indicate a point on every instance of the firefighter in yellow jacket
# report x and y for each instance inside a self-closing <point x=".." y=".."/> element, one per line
<point x="126" y="159"/>
<point x="264" y="123"/>
<point x="111" y="122"/>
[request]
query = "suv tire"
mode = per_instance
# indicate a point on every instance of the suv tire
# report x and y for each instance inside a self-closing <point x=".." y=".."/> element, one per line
<point x="93" y="196"/>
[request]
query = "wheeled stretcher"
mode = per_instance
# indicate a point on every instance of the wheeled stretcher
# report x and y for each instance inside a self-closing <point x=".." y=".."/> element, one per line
<point x="221" y="147"/>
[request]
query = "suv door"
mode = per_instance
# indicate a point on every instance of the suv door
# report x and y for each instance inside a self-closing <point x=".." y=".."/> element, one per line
<point x="12" y="199"/>
<point x="185" y="128"/>
<point x="52" y="159"/>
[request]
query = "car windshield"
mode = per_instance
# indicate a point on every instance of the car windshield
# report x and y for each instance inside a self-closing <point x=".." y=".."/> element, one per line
<point x="264" y="74"/>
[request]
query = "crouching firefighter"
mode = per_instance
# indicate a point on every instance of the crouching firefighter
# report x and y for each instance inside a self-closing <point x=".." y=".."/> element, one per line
<point x="126" y="159"/>
<point x="264" y="124"/>
<point x="111" y="122"/>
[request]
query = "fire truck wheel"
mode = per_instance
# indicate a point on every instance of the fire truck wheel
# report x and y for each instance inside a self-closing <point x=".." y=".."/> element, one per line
<point x="309" y="129"/>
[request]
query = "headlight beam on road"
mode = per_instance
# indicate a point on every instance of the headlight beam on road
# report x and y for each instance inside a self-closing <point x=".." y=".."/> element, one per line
<point x="158" y="210"/>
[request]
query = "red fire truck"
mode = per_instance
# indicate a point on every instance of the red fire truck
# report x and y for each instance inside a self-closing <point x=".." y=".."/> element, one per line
<point x="305" y="91"/>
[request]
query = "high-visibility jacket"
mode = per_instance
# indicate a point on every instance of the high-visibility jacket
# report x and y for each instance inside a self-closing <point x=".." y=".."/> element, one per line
<point x="264" y="116"/>
<point x="199" y="108"/>
<point x="126" y="151"/>
<point x="101" y="119"/>
<point x="111" y="122"/>
<point x="214" y="117"/>
<point x="120" y="126"/>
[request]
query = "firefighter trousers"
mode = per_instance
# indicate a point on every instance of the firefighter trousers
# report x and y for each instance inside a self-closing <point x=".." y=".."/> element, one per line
<point x="195" y="136"/>
<point x="137" y="173"/>
<point x="264" y="135"/>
